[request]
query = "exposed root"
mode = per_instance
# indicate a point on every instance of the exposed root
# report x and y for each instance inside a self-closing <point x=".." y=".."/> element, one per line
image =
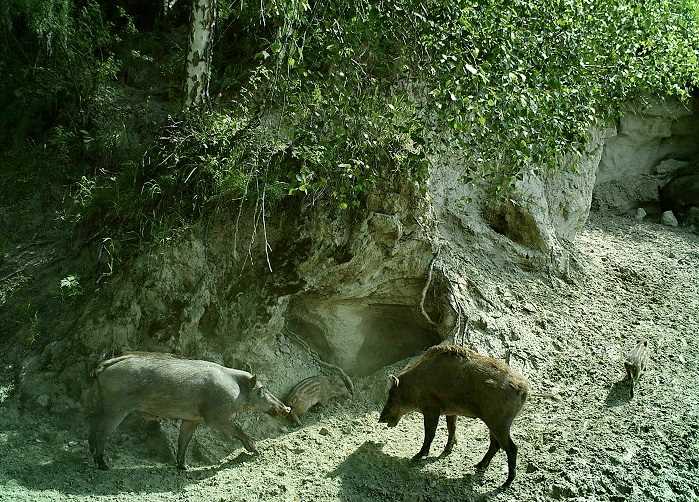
<point x="426" y="288"/>
<point x="264" y="228"/>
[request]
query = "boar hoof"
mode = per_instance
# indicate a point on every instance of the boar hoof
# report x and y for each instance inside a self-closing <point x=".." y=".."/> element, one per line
<point x="417" y="458"/>
<point x="480" y="467"/>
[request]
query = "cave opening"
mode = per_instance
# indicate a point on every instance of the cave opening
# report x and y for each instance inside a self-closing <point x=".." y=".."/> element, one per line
<point x="359" y="336"/>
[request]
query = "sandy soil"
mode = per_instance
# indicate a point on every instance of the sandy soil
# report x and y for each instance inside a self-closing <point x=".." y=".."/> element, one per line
<point x="595" y="444"/>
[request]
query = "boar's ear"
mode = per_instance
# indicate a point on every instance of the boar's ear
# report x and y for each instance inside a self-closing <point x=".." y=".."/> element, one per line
<point x="394" y="380"/>
<point x="253" y="381"/>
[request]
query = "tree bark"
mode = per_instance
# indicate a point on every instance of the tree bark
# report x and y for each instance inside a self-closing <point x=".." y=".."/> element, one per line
<point x="200" y="51"/>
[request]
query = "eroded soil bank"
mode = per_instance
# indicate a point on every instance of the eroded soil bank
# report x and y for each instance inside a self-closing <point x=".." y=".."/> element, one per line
<point x="630" y="280"/>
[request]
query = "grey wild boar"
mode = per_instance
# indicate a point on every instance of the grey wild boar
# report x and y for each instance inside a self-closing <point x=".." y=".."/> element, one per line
<point x="455" y="381"/>
<point x="166" y="386"/>
<point x="312" y="391"/>
<point x="635" y="363"/>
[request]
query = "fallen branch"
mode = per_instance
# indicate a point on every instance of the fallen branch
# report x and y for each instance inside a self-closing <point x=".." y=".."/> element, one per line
<point x="12" y="274"/>
<point x="26" y="265"/>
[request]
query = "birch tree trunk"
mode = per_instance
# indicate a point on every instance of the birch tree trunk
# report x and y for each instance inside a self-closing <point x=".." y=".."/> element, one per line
<point x="200" y="50"/>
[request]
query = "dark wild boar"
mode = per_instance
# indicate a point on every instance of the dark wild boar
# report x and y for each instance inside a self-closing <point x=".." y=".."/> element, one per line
<point x="635" y="363"/>
<point x="312" y="391"/>
<point x="680" y="193"/>
<point x="455" y="381"/>
<point x="166" y="386"/>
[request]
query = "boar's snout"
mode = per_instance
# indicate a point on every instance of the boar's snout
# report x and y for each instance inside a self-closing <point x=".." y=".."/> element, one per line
<point x="276" y="407"/>
<point x="264" y="401"/>
<point x="388" y="418"/>
<point x="279" y="410"/>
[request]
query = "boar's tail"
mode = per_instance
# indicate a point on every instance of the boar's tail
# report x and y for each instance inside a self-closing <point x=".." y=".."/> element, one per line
<point x="111" y="362"/>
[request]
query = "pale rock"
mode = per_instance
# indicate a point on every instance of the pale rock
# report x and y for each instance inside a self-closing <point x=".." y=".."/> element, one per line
<point x="637" y="162"/>
<point x="668" y="218"/>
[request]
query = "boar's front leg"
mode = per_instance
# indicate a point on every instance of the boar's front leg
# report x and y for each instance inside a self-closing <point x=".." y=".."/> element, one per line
<point x="247" y="441"/>
<point x="220" y="423"/>
<point x="187" y="428"/>
<point x="431" y="419"/>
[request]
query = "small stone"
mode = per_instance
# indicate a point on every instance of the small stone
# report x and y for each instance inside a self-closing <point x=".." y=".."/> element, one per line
<point x="640" y="214"/>
<point x="43" y="400"/>
<point x="559" y="491"/>
<point x="324" y="432"/>
<point x="528" y="307"/>
<point x="531" y="468"/>
<point x="668" y="218"/>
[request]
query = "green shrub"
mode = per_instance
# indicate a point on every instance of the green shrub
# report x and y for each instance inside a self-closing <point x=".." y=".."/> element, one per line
<point x="323" y="103"/>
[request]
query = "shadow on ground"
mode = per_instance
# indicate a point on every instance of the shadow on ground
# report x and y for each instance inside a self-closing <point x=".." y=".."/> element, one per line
<point x="619" y="394"/>
<point x="370" y="474"/>
<point x="68" y="472"/>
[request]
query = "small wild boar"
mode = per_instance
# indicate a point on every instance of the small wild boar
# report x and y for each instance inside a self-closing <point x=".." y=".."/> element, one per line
<point x="635" y="363"/>
<point x="455" y="381"/>
<point x="166" y="386"/>
<point x="312" y="391"/>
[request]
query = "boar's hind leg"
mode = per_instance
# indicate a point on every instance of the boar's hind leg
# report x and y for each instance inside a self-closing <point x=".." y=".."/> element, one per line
<point x="101" y="428"/>
<point x="187" y="428"/>
<point x="431" y="419"/>
<point x="451" y="441"/>
<point x="492" y="450"/>
<point x="510" y="448"/>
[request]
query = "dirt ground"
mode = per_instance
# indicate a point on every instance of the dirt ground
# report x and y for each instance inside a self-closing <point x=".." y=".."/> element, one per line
<point x="632" y="279"/>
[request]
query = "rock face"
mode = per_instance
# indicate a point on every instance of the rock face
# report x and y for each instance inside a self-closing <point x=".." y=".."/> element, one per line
<point x="547" y="210"/>
<point x="352" y="291"/>
<point x="654" y="142"/>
